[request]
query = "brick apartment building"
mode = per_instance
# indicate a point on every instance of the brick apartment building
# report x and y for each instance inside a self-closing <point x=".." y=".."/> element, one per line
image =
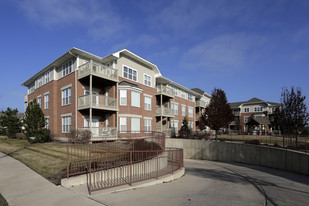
<point x="118" y="95"/>
<point x="252" y="116"/>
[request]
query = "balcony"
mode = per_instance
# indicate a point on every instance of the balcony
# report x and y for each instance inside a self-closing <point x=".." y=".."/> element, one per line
<point x="98" y="70"/>
<point x="236" y="113"/>
<point x="197" y="117"/>
<point x="164" y="111"/>
<point x="98" y="102"/>
<point x="200" y="103"/>
<point x="98" y="133"/>
<point x="164" y="91"/>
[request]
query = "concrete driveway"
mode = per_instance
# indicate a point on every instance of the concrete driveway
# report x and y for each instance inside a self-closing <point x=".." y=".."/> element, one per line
<point x="216" y="183"/>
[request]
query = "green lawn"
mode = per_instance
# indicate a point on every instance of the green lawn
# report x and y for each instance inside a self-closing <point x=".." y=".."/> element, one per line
<point x="48" y="159"/>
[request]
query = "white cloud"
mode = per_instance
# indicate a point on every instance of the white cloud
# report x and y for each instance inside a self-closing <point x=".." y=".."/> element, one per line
<point x="223" y="53"/>
<point x="97" y="17"/>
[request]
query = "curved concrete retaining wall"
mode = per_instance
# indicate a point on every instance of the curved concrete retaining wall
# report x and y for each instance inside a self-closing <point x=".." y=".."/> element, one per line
<point x="244" y="153"/>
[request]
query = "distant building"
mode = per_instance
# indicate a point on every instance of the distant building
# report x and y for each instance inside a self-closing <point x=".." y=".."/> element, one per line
<point x="252" y="116"/>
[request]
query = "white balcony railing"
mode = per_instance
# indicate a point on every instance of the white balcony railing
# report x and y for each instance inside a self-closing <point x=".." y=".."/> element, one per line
<point x="98" y="101"/>
<point x="100" y="132"/>
<point x="98" y="70"/>
<point x="160" y="89"/>
<point x="164" y="111"/>
<point x="200" y="103"/>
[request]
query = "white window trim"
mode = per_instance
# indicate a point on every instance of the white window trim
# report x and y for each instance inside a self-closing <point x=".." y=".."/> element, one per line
<point x="189" y="107"/>
<point x="147" y="119"/>
<point x="126" y="92"/>
<point x="37" y="99"/>
<point x="128" y="71"/>
<point x="70" y="97"/>
<point x="63" y="116"/>
<point x="65" y="87"/>
<point x="130" y="115"/>
<point x="139" y="131"/>
<point x="120" y="124"/>
<point x="46" y="94"/>
<point x="150" y="80"/>
<point x="47" y="117"/>
<point x="145" y="103"/>
<point x="138" y="106"/>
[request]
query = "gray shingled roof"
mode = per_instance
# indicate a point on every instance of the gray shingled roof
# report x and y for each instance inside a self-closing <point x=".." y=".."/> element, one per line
<point x="197" y="90"/>
<point x="250" y="101"/>
<point x="261" y="120"/>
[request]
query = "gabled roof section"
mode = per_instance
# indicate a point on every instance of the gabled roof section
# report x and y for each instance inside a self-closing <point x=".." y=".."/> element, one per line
<point x="254" y="100"/>
<point x="138" y="58"/>
<point x="234" y="105"/>
<point x="164" y="80"/>
<point x="61" y="60"/>
<point x="201" y="92"/>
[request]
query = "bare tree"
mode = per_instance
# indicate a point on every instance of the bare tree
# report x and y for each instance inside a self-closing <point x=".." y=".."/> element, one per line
<point x="218" y="113"/>
<point x="293" y="115"/>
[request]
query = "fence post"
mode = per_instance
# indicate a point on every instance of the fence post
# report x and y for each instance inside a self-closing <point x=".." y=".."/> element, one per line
<point x="67" y="159"/>
<point x="157" y="165"/>
<point x="172" y="163"/>
<point x="90" y="186"/>
<point x="131" y="168"/>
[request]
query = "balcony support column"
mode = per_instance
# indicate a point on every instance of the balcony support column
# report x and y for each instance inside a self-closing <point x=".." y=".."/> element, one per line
<point x="90" y="95"/>
<point x="161" y="102"/>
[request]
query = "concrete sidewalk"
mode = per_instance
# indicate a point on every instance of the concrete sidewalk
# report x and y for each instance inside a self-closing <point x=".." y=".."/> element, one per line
<point x="21" y="186"/>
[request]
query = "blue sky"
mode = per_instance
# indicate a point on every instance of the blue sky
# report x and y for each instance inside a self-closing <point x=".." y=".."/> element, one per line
<point x="248" y="48"/>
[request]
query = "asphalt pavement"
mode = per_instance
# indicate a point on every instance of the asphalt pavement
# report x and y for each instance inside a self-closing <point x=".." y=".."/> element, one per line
<point x="204" y="183"/>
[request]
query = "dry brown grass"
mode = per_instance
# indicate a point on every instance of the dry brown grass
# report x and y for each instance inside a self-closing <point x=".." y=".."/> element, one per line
<point x="48" y="159"/>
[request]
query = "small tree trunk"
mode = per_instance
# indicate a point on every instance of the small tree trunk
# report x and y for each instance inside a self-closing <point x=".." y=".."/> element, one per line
<point x="216" y="134"/>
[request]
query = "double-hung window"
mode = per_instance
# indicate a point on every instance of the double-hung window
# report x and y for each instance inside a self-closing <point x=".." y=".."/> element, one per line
<point x="66" y="96"/>
<point x="47" y="77"/>
<point x="135" y="125"/>
<point x="147" y="103"/>
<point x="67" y="68"/>
<point x="46" y="101"/>
<point x="66" y="124"/>
<point x="129" y="73"/>
<point x="147" y="125"/>
<point x="40" y="81"/>
<point x="183" y="110"/>
<point x="190" y="111"/>
<point x="246" y="109"/>
<point x="135" y="99"/>
<point x="123" y="97"/>
<point x="123" y="124"/>
<point x="147" y="80"/>
<point x="190" y="97"/>
<point x="175" y="109"/>
<point x="246" y="119"/>
<point x="47" y="122"/>
<point x="175" y="125"/>
<point x="40" y="101"/>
